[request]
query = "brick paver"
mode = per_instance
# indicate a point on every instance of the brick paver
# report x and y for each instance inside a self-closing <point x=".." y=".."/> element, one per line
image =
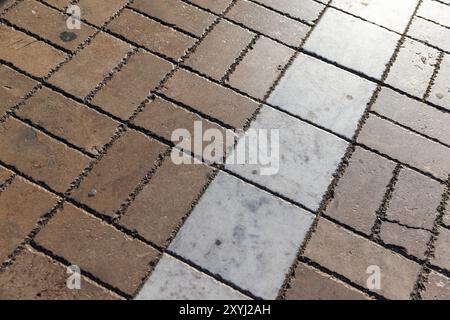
<point x="48" y="23"/>
<point x="113" y="179"/>
<point x="39" y="156"/>
<point x="227" y="41"/>
<point x="21" y="206"/>
<point x="277" y="26"/>
<point x="13" y="86"/>
<point x="28" y="54"/>
<point x="68" y="119"/>
<point x="351" y="256"/>
<point x="97" y="248"/>
<point x="36" y="277"/>
<point x="361" y="190"/>
<point x="151" y="34"/>
<point x="175" y="12"/>
<point x="89" y="67"/>
<point x="127" y="89"/>
<point x="88" y="131"/>
<point x="311" y="284"/>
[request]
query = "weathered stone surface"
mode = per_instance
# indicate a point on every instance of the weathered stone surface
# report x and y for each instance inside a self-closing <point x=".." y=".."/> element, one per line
<point x="360" y="191"/>
<point x="174" y="280"/>
<point x="438" y="287"/>
<point x="13" y="86"/>
<point x="244" y="235"/>
<point x="323" y="94"/>
<point x="440" y="92"/>
<point x="353" y="43"/>
<point x="350" y="256"/>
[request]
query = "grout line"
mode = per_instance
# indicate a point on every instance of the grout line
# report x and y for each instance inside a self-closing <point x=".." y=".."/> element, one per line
<point x="7" y="182"/>
<point x="164" y="23"/>
<point x="434" y="22"/>
<point x="422" y="278"/>
<point x="381" y="212"/>
<point x="237" y="61"/>
<point x="329" y="195"/>
<point x="340" y="277"/>
<point x="437" y="67"/>
<point x="372" y="112"/>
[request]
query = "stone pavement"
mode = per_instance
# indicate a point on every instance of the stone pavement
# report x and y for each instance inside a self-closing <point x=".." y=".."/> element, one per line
<point x="359" y="91"/>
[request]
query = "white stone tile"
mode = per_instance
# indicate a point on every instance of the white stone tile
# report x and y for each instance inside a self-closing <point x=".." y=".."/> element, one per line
<point x="440" y="92"/>
<point x="392" y="14"/>
<point x="435" y="11"/>
<point x="323" y="94"/>
<point x="353" y="43"/>
<point x="413" y="68"/>
<point x="175" y="280"/>
<point x="243" y="234"/>
<point x="308" y="157"/>
<point x="430" y="33"/>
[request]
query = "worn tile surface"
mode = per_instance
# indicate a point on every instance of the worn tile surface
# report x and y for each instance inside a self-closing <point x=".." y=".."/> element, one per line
<point x="353" y="43"/>
<point x="112" y="139"/>
<point x="254" y="237"/>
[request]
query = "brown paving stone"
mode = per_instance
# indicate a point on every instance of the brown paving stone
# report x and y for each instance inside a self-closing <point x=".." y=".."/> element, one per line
<point x="311" y="284"/>
<point x="306" y="10"/>
<point x="128" y="88"/>
<point x="165" y="200"/>
<point x="61" y="4"/>
<point x="5" y="4"/>
<point x="268" y="22"/>
<point x="13" y="86"/>
<point x="5" y="174"/>
<point x="47" y="23"/>
<point x="412" y="241"/>
<point x="442" y="249"/>
<point x="34" y="276"/>
<point x="68" y="119"/>
<point x="21" y="206"/>
<point x="438" y="287"/>
<point x="97" y="248"/>
<point x="413" y="114"/>
<point x="260" y="67"/>
<point x="210" y="98"/>
<point x="415" y="200"/>
<point x="33" y="56"/>
<point x="217" y="52"/>
<point x="406" y="146"/>
<point x="360" y="191"/>
<point x="99" y="11"/>
<point x="184" y="16"/>
<point x="151" y="34"/>
<point x="446" y="218"/>
<point x="163" y="118"/>
<point x="91" y="65"/>
<point x="216" y="6"/>
<point x="40" y="156"/>
<point x="119" y="172"/>
<point x="350" y="256"/>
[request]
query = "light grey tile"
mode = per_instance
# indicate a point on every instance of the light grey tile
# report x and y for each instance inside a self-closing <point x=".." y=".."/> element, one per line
<point x="175" y="280"/>
<point x="353" y="43"/>
<point x="435" y="11"/>
<point x="308" y="157"/>
<point x="394" y="15"/>
<point x="323" y="94"/>
<point x="413" y="68"/>
<point x="440" y="92"/>
<point x="243" y="234"/>
<point x="430" y="33"/>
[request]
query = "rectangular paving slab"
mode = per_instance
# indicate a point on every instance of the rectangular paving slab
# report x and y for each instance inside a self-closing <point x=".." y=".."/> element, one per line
<point x="353" y="43"/>
<point x="323" y="94"/>
<point x="307" y="159"/>
<point x="244" y="235"/>
<point x="13" y="86"/>
<point x="175" y="280"/>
